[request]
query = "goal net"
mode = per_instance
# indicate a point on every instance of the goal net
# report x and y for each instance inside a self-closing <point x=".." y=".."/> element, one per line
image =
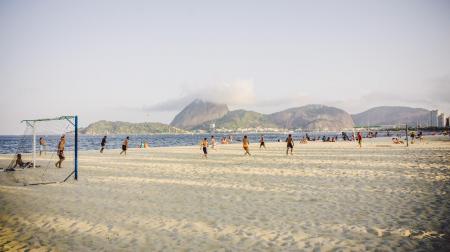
<point x="46" y="153"/>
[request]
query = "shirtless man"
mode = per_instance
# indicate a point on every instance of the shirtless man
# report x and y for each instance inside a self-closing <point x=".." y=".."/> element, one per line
<point x="61" y="145"/>
<point x="204" y="147"/>
<point x="245" y="145"/>
<point x="22" y="164"/>
<point x="261" y="142"/>
<point x="125" y="146"/>
<point x="290" y="144"/>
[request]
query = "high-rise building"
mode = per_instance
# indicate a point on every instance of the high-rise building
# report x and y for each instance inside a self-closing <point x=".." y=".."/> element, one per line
<point x="441" y="120"/>
<point x="434" y="118"/>
<point x="447" y="122"/>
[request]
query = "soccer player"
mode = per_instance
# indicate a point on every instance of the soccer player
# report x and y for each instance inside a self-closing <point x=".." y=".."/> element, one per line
<point x="261" y="142"/>
<point x="125" y="146"/>
<point x="61" y="145"/>
<point x="290" y="144"/>
<point x="204" y="147"/>
<point x="103" y="144"/>
<point x="359" y="138"/>
<point x="245" y="145"/>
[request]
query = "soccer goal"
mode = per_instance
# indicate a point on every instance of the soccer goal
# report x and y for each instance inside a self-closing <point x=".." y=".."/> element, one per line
<point x="46" y="153"/>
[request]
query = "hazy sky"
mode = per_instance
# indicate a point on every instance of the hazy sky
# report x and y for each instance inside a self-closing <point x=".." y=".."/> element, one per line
<point x="143" y="60"/>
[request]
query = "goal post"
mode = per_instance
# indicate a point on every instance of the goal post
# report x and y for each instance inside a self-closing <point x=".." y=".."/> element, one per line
<point x="48" y="164"/>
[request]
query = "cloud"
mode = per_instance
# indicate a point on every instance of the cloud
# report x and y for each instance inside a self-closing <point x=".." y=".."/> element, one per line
<point x="241" y="94"/>
<point x="235" y="93"/>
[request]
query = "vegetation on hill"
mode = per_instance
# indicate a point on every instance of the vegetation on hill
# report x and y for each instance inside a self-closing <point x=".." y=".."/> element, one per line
<point x="108" y="127"/>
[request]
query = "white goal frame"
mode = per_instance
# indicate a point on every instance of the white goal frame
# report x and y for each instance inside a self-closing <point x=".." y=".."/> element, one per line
<point x="72" y="120"/>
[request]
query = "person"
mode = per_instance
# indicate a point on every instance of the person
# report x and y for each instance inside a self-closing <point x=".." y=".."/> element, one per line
<point x="290" y="144"/>
<point x="22" y="164"/>
<point x="213" y="143"/>
<point x="261" y="142"/>
<point x="103" y="143"/>
<point x="245" y="145"/>
<point x="420" y="136"/>
<point x="413" y="135"/>
<point x="204" y="147"/>
<point x="60" y="152"/>
<point x="42" y="145"/>
<point x="125" y="145"/>
<point x="304" y="140"/>
<point x="395" y="140"/>
<point x="146" y="145"/>
<point x="359" y="138"/>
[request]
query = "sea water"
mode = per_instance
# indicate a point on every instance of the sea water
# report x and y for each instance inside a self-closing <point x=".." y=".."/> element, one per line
<point x="10" y="144"/>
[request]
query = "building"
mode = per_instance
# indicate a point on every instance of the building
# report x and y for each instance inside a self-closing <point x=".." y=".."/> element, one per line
<point x="434" y="118"/>
<point x="441" y="120"/>
<point x="447" y="122"/>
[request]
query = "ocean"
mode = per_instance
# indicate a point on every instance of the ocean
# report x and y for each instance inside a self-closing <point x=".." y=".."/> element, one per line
<point x="10" y="144"/>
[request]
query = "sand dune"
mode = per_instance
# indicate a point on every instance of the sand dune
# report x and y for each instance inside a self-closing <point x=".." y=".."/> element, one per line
<point x="326" y="197"/>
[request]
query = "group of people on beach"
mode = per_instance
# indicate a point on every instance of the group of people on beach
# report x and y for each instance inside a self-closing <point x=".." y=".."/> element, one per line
<point x="42" y="149"/>
<point x="205" y="144"/>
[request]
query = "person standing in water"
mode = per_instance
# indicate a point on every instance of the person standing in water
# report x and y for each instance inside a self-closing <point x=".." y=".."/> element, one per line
<point x="213" y="143"/>
<point x="60" y="152"/>
<point x="103" y="144"/>
<point x="290" y="144"/>
<point x="261" y="142"/>
<point x="359" y="138"/>
<point x="125" y="146"/>
<point x="245" y="145"/>
<point x="42" y="145"/>
<point x="204" y="147"/>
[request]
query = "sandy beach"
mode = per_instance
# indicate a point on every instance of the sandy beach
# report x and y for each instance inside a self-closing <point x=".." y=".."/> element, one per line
<point x="326" y="197"/>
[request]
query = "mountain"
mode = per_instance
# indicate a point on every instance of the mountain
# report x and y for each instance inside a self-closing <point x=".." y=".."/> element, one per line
<point x="240" y="119"/>
<point x="197" y="113"/>
<point x="390" y="115"/>
<point x="313" y="117"/>
<point x="122" y="128"/>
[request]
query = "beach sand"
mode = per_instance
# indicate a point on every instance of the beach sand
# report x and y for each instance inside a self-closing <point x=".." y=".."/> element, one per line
<point x="326" y="197"/>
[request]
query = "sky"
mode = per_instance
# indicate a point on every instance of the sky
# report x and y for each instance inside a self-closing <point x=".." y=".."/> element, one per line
<point x="145" y="60"/>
